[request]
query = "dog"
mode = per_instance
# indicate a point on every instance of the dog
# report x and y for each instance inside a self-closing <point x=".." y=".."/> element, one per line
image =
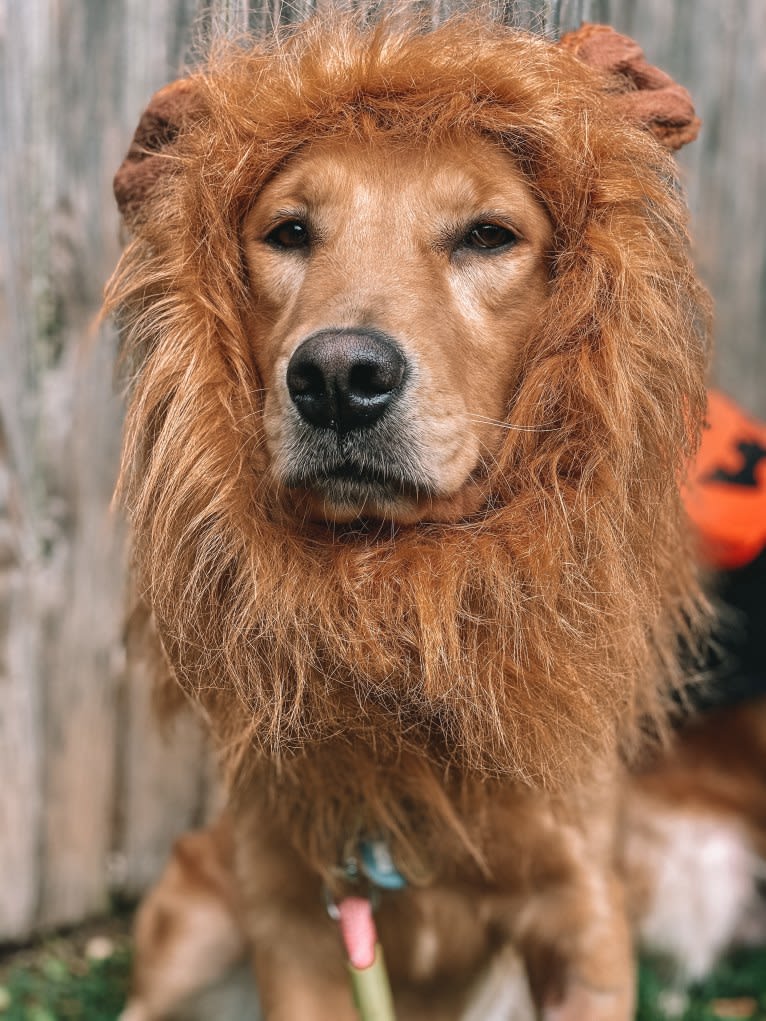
<point x="417" y="361"/>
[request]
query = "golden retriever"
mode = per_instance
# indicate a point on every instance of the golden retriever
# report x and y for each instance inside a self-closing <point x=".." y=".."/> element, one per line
<point x="417" y="363"/>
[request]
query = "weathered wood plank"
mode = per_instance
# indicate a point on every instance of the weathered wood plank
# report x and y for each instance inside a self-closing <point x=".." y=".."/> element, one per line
<point x="21" y="800"/>
<point x="62" y="465"/>
<point x="23" y="306"/>
<point x="67" y="113"/>
<point x="717" y="50"/>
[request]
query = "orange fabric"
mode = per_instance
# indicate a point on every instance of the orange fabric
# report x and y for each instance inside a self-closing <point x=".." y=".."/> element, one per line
<point x="726" y="498"/>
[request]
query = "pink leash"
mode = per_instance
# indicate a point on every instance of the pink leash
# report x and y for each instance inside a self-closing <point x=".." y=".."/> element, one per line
<point x="357" y="927"/>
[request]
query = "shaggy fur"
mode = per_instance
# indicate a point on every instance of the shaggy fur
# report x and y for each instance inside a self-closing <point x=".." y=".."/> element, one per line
<point x="375" y="677"/>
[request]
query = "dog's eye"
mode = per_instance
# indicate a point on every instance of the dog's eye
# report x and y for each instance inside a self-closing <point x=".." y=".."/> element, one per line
<point x="289" y="234"/>
<point x="489" y="236"/>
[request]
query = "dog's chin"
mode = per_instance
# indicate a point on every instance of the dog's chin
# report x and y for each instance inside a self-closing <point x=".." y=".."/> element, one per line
<point x="370" y="504"/>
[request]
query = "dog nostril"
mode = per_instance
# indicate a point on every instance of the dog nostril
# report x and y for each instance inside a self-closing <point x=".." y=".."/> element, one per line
<point x="369" y="379"/>
<point x="345" y="380"/>
<point x="305" y="380"/>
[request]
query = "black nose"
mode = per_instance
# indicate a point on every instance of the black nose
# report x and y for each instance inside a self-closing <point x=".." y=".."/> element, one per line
<point x="345" y="379"/>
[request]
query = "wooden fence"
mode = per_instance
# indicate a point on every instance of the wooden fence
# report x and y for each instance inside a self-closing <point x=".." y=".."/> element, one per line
<point x="90" y="794"/>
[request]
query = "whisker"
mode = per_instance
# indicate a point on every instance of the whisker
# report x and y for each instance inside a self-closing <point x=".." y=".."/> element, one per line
<point x="511" y="425"/>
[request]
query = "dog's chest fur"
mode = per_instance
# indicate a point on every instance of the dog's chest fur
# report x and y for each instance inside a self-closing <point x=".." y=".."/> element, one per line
<point x="468" y="901"/>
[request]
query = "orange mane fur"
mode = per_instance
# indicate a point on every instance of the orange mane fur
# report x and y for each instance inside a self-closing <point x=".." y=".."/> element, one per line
<point x="532" y="643"/>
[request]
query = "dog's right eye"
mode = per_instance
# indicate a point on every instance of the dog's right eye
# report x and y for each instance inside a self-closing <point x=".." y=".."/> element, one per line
<point x="489" y="237"/>
<point x="289" y="234"/>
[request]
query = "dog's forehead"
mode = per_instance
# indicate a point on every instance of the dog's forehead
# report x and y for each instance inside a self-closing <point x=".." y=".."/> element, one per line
<point x="458" y="174"/>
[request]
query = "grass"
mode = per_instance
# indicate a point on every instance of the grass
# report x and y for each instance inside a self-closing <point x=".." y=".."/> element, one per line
<point x="59" y="981"/>
<point x="85" y="977"/>
<point x="736" y="990"/>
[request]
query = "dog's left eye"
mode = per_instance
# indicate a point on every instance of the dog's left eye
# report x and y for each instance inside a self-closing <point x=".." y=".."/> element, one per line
<point x="289" y="234"/>
<point x="485" y="236"/>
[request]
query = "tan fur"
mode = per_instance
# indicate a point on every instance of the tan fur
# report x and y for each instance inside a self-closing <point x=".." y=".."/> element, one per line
<point x="457" y="662"/>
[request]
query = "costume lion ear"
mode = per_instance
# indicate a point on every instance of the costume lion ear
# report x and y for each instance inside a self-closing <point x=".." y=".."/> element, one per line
<point x="645" y="94"/>
<point x="148" y="158"/>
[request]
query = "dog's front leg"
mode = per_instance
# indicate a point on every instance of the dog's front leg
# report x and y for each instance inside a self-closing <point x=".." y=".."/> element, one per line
<point x="294" y="984"/>
<point x="580" y="955"/>
<point x="297" y="950"/>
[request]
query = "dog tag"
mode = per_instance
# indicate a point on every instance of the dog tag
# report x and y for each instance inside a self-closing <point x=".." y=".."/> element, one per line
<point x="378" y="865"/>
